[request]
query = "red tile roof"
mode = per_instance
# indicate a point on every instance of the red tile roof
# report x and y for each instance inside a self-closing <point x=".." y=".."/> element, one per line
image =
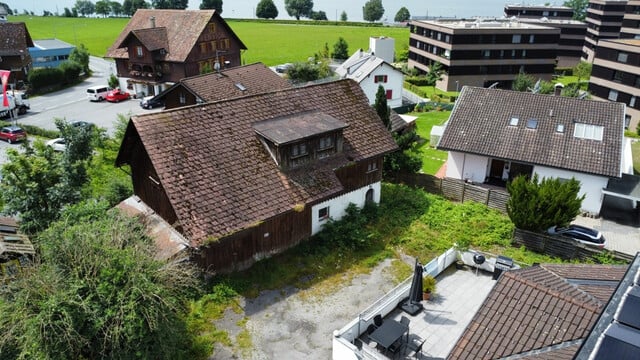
<point x="183" y="28"/>
<point x="216" y="172"/>
<point x="535" y="308"/>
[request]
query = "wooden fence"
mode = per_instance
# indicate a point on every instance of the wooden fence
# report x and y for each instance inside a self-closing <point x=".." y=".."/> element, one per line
<point x="457" y="190"/>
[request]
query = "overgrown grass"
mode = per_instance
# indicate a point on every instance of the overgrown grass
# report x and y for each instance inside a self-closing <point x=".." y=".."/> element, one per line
<point x="635" y="151"/>
<point x="432" y="159"/>
<point x="268" y="42"/>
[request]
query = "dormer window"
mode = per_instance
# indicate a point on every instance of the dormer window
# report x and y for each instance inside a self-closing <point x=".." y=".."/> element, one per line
<point x="298" y="150"/>
<point x="325" y="143"/>
<point x="139" y="51"/>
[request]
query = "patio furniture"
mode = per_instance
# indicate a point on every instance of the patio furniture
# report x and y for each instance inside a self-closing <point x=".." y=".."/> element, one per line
<point x="405" y="320"/>
<point x="414" y="345"/>
<point x="388" y="333"/>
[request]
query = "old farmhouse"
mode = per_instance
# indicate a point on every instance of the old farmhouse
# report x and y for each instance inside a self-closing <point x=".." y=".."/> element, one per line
<point x="159" y="47"/>
<point x="245" y="178"/>
<point x="494" y="135"/>
<point x="14" y="50"/>
<point x="225" y="84"/>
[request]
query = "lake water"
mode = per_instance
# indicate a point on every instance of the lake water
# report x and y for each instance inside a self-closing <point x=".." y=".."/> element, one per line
<point x="333" y="8"/>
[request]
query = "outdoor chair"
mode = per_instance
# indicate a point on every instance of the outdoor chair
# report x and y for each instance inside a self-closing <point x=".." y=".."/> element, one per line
<point x="370" y="329"/>
<point x="404" y="320"/>
<point x="415" y="346"/>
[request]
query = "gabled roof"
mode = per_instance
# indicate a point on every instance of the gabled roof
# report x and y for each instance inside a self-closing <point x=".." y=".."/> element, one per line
<point x="48" y="44"/>
<point x="153" y="38"/>
<point x="253" y="78"/>
<point x="479" y="124"/>
<point x="14" y="39"/>
<point x="216" y="172"/>
<point x="183" y="27"/>
<point x="539" y="310"/>
<point x="360" y="65"/>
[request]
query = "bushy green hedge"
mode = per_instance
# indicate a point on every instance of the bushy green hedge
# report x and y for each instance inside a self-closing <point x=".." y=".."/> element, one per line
<point x="71" y="71"/>
<point x="53" y="78"/>
<point x="418" y="81"/>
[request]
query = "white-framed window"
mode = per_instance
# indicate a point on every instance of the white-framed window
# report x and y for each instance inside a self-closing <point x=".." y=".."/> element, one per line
<point x="139" y="51"/>
<point x="380" y="79"/>
<point x="299" y="149"/>
<point x="588" y="131"/>
<point x="372" y="166"/>
<point x="323" y="213"/>
<point x="613" y="95"/>
<point x="516" y="38"/>
<point x="325" y="142"/>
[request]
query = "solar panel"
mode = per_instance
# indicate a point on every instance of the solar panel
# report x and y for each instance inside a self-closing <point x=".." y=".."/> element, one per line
<point x="629" y="311"/>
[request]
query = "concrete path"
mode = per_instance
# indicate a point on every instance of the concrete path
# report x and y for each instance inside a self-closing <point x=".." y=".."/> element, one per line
<point x="622" y="238"/>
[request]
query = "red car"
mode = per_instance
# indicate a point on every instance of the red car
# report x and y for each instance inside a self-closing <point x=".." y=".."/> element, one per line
<point x="12" y="134"/>
<point x="117" y="95"/>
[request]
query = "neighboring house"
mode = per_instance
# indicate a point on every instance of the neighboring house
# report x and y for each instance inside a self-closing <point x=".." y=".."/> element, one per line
<point x="630" y="28"/>
<point x="226" y="84"/>
<point x="14" y="50"/>
<point x="615" y="76"/>
<point x="245" y="178"/>
<point x="616" y="334"/>
<point x="494" y="135"/>
<point x="370" y="71"/>
<point x="552" y="12"/>
<point x="604" y="20"/>
<point x="541" y="312"/>
<point x="482" y="52"/>
<point x="50" y="52"/>
<point x="158" y="48"/>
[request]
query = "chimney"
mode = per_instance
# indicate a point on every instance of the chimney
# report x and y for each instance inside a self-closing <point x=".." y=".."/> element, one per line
<point x="557" y="89"/>
<point x="153" y="21"/>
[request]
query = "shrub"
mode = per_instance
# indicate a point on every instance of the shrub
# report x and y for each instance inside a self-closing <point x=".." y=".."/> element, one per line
<point x="45" y="77"/>
<point x="71" y="71"/>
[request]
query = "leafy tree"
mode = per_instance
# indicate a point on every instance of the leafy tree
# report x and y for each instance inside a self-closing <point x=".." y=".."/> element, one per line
<point x="318" y="15"/>
<point x="343" y="16"/>
<point x="9" y="11"/>
<point x="85" y="7"/>
<point x="537" y="205"/>
<point x="402" y="15"/>
<point x="382" y="109"/>
<point x="116" y="8"/>
<point x="299" y="8"/>
<point x="103" y="7"/>
<point x="266" y="10"/>
<point x="340" y="49"/>
<point x="301" y="72"/>
<point x="129" y="7"/>
<point x="579" y="8"/>
<point x="71" y="71"/>
<point x="113" y="81"/>
<point x="582" y="70"/>
<point x="372" y="10"/>
<point x="67" y="12"/>
<point x="170" y="4"/>
<point x="403" y="55"/>
<point x="80" y="55"/>
<point x="435" y="74"/>
<point x="523" y="82"/>
<point x="97" y="293"/>
<point x="212" y="4"/>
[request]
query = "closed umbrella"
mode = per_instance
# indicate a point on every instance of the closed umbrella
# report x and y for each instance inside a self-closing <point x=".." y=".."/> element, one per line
<point x="413" y="304"/>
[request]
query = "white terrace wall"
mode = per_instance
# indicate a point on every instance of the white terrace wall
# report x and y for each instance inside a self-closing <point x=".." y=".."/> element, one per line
<point x="338" y="205"/>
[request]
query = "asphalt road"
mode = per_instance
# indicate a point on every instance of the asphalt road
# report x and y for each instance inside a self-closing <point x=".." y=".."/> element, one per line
<point x="72" y="104"/>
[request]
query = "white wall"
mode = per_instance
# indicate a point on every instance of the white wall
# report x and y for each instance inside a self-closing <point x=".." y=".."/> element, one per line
<point x="338" y="205"/>
<point x="394" y="82"/>
<point x="466" y="166"/>
<point x="383" y="47"/>
<point x="591" y="185"/>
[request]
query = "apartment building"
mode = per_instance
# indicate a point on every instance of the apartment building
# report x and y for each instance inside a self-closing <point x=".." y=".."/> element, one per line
<point x="523" y="11"/>
<point x="616" y="76"/>
<point x="604" y="20"/>
<point x="482" y="52"/>
<point x="630" y="28"/>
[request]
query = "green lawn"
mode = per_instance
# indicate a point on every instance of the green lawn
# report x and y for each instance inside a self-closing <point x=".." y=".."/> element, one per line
<point x="271" y="44"/>
<point x="635" y="151"/>
<point x="432" y="159"/>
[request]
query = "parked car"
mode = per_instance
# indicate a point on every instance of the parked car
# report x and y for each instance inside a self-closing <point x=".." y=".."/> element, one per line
<point x="117" y="95"/>
<point x="150" y="102"/>
<point x="82" y="124"/>
<point x="57" y="144"/>
<point x="97" y="93"/>
<point x="12" y="134"/>
<point x="579" y="233"/>
<point x="283" y="68"/>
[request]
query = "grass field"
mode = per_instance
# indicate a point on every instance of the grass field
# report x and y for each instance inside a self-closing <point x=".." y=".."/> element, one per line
<point x="268" y="43"/>
<point x="432" y="159"/>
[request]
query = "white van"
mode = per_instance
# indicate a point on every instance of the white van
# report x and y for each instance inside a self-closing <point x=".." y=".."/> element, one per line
<point x="97" y="93"/>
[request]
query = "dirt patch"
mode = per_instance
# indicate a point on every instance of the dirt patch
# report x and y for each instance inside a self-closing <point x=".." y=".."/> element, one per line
<point x="290" y="324"/>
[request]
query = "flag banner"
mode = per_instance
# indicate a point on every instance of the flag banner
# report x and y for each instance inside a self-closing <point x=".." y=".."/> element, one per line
<point x="4" y="75"/>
